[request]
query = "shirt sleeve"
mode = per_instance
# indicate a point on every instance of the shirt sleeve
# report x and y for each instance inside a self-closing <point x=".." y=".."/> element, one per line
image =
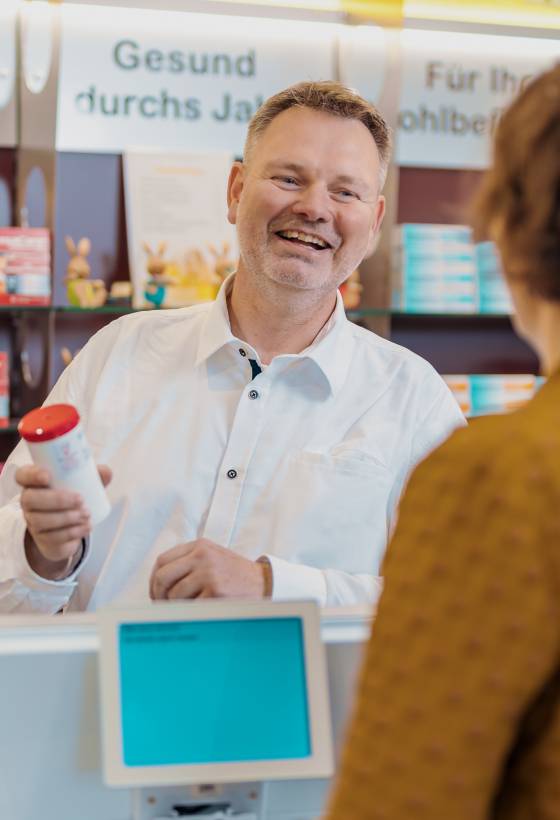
<point x="329" y="587"/>
<point x="467" y="634"/>
<point x="437" y="423"/>
<point x="21" y="589"/>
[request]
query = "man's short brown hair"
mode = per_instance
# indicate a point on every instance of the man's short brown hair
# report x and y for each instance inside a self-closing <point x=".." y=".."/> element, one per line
<point x="332" y="98"/>
<point x="519" y="202"/>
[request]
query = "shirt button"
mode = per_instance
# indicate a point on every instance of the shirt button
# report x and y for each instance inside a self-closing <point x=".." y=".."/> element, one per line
<point x="242" y="352"/>
<point x="253" y="394"/>
<point x="232" y="473"/>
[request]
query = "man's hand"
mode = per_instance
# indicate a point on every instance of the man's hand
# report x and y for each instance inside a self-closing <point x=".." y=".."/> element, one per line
<point x="57" y="521"/>
<point x="202" y="569"/>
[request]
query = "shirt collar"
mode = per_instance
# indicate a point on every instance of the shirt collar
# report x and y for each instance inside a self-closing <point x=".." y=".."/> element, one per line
<point x="330" y="352"/>
<point x="216" y="331"/>
<point x="332" y="349"/>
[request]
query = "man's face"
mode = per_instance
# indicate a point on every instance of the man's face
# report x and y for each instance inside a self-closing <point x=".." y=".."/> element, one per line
<point x="307" y="205"/>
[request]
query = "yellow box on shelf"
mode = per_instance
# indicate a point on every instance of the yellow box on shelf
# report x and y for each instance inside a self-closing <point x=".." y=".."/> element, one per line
<point x="384" y="12"/>
<point x="534" y="13"/>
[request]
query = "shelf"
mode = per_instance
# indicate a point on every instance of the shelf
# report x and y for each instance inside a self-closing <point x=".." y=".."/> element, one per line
<point x="25" y="308"/>
<point x="363" y="313"/>
<point x="104" y="310"/>
<point x="461" y="317"/>
<point x="359" y="313"/>
<point x="11" y="428"/>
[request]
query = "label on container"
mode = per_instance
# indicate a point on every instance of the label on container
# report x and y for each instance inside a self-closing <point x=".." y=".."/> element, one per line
<point x="69" y="453"/>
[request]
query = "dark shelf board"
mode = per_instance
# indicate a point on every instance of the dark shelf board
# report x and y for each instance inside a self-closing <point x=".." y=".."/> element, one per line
<point x="116" y="310"/>
<point x="359" y="313"/>
<point x="11" y="427"/>
<point x="479" y="318"/>
<point x="25" y="308"/>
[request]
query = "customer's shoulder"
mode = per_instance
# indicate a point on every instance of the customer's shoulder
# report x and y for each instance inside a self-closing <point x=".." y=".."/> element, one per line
<point x="504" y="446"/>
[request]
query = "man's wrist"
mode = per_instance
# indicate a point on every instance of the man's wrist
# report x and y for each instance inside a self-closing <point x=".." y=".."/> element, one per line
<point x="51" y="570"/>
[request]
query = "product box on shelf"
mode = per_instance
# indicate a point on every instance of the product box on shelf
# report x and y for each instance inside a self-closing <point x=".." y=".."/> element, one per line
<point x="461" y="389"/>
<point x="440" y="269"/>
<point x="4" y="389"/>
<point x="25" y="266"/>
<point x="434" y="269"/>
<point x="482" y="394"/>
<point x="494" y="295"/>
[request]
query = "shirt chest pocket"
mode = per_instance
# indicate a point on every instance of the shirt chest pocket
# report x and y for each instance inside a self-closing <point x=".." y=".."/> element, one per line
<point x="335" y="510"/>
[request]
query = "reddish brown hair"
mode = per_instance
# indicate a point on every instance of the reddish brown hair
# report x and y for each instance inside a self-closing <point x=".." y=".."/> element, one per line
<point x="518" y="204"/>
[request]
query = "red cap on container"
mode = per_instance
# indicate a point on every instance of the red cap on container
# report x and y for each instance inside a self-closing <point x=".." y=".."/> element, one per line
<point x="46" y="423"/>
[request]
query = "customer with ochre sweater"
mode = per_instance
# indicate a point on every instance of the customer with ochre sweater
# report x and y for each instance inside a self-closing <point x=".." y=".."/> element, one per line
<point x="458" y="715"/>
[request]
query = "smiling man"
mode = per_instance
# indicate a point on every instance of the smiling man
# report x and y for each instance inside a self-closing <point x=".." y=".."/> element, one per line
<point x="259" y="443"/>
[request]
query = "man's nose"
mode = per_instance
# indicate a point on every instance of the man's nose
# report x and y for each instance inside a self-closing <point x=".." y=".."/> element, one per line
<point x="314" y="203"/>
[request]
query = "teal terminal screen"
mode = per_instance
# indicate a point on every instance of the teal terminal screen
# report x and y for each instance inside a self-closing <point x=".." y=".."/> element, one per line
<point x="213" y="691"/>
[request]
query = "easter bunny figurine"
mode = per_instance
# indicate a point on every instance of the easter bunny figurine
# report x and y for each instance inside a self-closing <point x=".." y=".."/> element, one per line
<point x="67" y="355"/>
<point x="223" y="263"/>
<point x="351" y="291"/>
<point x="82" y="291"/>
<point x="155" y="289"/>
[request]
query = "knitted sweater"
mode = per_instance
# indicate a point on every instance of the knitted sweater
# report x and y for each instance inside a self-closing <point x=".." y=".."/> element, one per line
<point x="458" y="711"/>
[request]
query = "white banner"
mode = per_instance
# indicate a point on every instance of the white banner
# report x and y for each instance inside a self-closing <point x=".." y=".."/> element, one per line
<point x="454" y="88"/>
<point x="363" y="58"/>
<point x="175" y="79"/>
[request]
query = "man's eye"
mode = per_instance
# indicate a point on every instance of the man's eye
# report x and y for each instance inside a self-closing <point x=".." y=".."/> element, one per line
<point x="345" y="194"/>
<point x="286" y="180"/>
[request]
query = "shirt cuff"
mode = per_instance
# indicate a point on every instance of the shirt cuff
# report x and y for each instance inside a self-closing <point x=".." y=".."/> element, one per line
<point x="296" y="581"/>
<point x="22" y="589"/>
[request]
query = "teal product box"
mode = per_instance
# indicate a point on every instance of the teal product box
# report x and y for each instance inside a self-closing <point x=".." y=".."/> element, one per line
<point x="437" y="269"/>
<point x="427" y="230"/>
<point x="440" y="306"/>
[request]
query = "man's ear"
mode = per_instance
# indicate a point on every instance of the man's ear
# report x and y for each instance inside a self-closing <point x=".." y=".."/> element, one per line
<point x="376" y="226"/>
<point x="234" y="188"/>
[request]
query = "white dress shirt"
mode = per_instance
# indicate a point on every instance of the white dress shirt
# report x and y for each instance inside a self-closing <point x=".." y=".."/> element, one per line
<point x="303" y="464"/>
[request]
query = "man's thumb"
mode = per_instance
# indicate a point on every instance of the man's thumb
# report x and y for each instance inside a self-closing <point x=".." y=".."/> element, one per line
<point x="105" y="473"/>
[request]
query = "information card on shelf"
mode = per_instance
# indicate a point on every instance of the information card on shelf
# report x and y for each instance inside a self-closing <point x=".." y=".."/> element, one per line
<point x="25" y="266"/>
<point x="181" y="246"/>
<point x="4" y="389"/>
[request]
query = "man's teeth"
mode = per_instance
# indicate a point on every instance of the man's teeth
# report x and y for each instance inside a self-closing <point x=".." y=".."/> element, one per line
<point x="305" y="237"/>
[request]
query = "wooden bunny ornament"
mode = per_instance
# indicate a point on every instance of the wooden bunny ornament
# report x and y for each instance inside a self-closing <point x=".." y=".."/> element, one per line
<point x="82" y="291"/>
<point x="155" y="289"/>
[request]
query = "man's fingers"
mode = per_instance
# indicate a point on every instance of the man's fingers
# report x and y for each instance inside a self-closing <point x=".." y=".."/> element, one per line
<point x="163" y="578"/>
<point x="46" y="522"/>
<point x="33" y="500"/>
<point x="205" y="592"/>
<point x="61" y="543"/>
<point x="105" y="473"/>
<point x="190" y="587"/>
<point x="171" y="555"/>
<point x="32" y="476"/>
<point x="191" y="561"/>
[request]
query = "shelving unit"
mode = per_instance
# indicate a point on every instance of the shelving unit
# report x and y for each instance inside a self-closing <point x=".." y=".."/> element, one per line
<point x="10" y="428"/>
